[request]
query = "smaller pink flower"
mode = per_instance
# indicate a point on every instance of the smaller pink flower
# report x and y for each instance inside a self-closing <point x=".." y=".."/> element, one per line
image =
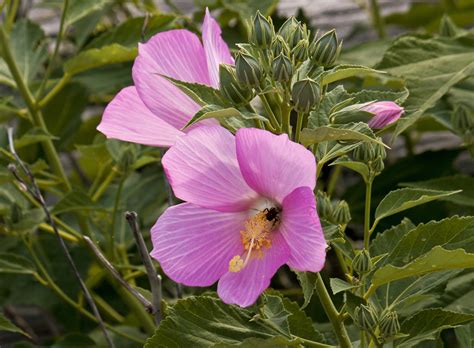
<point x="249" y="209"/>
<point x="385" y="113"/>
<point x="153" y="111"/>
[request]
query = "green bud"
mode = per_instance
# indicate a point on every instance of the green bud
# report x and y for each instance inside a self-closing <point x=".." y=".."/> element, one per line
<point x="248" y="69"/>
<point x="462" y="119"/>
<point x="365" y="317"/>
<point x="305" y="95"/>
<point x="365" y="152"/>
<point x="230" y="88"/>
<point x="279" y="46"/>
<point x="342" y="214"/>
<point x="377" y="165"/>
<point x="282" y="68"/>
<point x="293" y="32"/>
<point x="262" y="31"/>
<point x="326" y="49"/>
<point x="324" y="205"/>
<point x="389" y="325"/>
<point x="362" y="263"/>
<point x="447" y="27"/>
<point x="300" y="52"/>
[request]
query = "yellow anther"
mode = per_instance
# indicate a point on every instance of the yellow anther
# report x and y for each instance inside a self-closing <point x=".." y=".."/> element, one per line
<point x="236" y="264"/>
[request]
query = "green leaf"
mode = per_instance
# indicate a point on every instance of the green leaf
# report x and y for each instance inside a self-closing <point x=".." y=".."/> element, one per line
<point x="358" y="167"/>
<point x="430" y="67"/>
<point x="78" y="9"/>
<point x="307" y="281"/>
<point x="277" y="341"/>
<point x="345" y="71"/>
<point x="350" y="132"/>
<point x="438" y="259"/>
<point x="300" y="324"/>
<point x="426" y="324"/>
<point x="352" y="301"/>
<point x="339" y="285"/>
<point x="129" y="33"/>
<point x="32" y="136"/>
<point x="406" y="198"/>
<point x="329" y="150"/>
<point x="247" y="8"/>
<point x="77" y="201"/>
<point x="27" y="43"/>
<point x="450" y="183"/>
<point x="201" y="94"/>
<point x="97" y="57"/>
<point x="221" y="114"/>
<point x="387" y="240"/>
<point x="7" y="325"/>
<point x="13" y="263"/>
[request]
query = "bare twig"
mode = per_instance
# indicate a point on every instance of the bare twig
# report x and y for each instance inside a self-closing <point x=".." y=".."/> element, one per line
<point x="147" y="304"/>
<point x="153" y="277"/>
<point x="34" y="190"/>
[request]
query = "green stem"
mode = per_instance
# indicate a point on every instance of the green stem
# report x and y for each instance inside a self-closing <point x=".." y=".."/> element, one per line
<point x="299" y="126"/>
<point x="55" y="90"/>
<point x="368" y="196"/>
<point x="59" y="38"/>
<point x="50" y="150"/>
<point x="309" y="343"/>
<point x="12" y="10"/>
<point x="271" y="114"/>
<point x="285" y="115"/>
<point x="110" y="235"/>
<point x="332" y="313"/>
<point x="105" y="184"/>
<point x="333" y="179"/>
<point x="377" y="19"/>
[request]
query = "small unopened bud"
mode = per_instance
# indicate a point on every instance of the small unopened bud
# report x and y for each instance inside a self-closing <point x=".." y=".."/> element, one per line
<point x="230" y="88"/>
<point x="293" y="31"/>
<point x="342" y="214"/>
<point x="362" y="263"/>
<point x="262" y="31"/>
<point x="305" y="95"/>
<point x="365" y="317"/>
<point x="300" y="52"/>
<point x="365" y="152"/>
<point x="447" y="27"/>
<point x="377" y="165"/>
<point x="324" y="205"/>
<point x="326" y="49"/>
<point x="279" y="46"/>
<point x="248" y="69"/>
<point x="385" y="113"/>
<point x="462" y="119"/>
<point x="389" y="325"/>
<point x="282" y="68"/>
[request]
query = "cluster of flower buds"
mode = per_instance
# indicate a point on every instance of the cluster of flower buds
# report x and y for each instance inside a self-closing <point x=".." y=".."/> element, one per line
<point x="389" y="325"/>
<point x="386" y="326"/>
<point x="336" y="212"/>
<point x="371" y="154"/>
<point x="273" y="57"/>
<point x="366" y="317"/>
<point x="362" y="263"/>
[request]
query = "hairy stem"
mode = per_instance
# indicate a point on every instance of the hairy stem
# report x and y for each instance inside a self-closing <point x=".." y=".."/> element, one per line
<point x="368" y="197"/>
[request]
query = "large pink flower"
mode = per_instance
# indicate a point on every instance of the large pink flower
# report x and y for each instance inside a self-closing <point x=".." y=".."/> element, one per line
<point x="385" y="113"/>
<point x="249" y="209"/>
<point x="153" y="111"/>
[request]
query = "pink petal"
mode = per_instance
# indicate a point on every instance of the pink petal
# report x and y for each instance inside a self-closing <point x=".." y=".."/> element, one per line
<point x="273" y="165"/>
<point x="302" y="231"/>
<point x="244" y="287"/>
<point x="127" y="118"/>
<point x="194" y="245"/>
<point x="202" y="169"/>
<point x="385" y="113"/>
<point x="217" y="51"/>
<point x="177" y="54"/>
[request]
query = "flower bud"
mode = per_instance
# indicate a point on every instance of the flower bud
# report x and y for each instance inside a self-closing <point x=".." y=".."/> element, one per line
<point x="282" y="68"/>
<point x="365" y="317"/>
<point x="385" y="113"/>
<point x="293" y="31"/>
<point x="305" y="95"/>
<point x="341" y="214"/>
<point x="324" y="205"/>
<point x="447" y="27"/>
<point x="389" y="325"/>
<point x="279" y="46"/>
<point x="230" y="88"/>
<point x="365" y="152"/>
<point x="377" y="165"/>
<point x="262" y="31"/>
<point x="362" y="263"/>
<point x="462" y="119"/>
<point x="326" y="49"/>
<point x="248" y="69"/>
<point x="300" y="52"/>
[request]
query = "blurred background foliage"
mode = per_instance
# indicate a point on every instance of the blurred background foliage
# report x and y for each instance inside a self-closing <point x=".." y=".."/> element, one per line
<point x="68" y="85"/>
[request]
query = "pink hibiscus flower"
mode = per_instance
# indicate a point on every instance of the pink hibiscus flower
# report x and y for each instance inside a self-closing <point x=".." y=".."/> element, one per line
<point x="153" y="111"/>
<point x="249" y="209"/>
<point x="385" y="113"/>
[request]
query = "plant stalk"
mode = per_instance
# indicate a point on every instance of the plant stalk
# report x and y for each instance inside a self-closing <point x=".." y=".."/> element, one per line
<point x="368" y="197"/>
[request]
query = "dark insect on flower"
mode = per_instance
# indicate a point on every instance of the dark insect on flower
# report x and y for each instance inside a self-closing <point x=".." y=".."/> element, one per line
<point x="272" y="214"/>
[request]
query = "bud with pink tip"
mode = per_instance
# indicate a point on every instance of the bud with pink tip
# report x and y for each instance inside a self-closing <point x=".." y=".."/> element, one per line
<point x="385" y="113"/>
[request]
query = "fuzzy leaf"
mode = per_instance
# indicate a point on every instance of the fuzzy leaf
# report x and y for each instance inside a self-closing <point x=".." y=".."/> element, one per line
<point x="339" y="285"/>
<point x="7" y="325"/>
<point x="358" y="167"/>
<point x="201" y="94"/>
<point x="345" y="71"/>
<point x="12" y="263"/>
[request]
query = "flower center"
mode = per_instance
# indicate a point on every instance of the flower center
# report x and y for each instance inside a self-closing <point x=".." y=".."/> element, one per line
<point x="256" y="237"/>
